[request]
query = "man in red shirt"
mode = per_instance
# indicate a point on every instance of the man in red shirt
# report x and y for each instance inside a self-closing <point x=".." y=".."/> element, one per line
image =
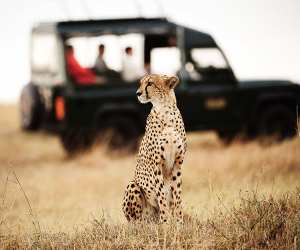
<point x="81" y="75"/>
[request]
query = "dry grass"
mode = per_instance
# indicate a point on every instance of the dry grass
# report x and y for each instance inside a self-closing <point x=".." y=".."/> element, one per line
<point x="254" y="224"/>
<point x="242" y="196"/>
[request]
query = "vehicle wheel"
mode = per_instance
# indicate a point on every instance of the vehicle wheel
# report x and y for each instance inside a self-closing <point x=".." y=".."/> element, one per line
<point x="76" y="140"/>
<point x="119" y="132"/>
<point x="30" y="108"/>
<point x="277" y="122"/>
<point x="226" y="137"/>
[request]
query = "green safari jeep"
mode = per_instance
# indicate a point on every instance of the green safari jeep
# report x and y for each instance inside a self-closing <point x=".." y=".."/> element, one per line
<point x="209" y="96"/>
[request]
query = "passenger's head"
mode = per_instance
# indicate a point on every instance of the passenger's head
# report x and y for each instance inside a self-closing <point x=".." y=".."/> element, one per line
<point x="128" y="51"/>
<point x="70" y="49"/>
<point x="101" y="49"/>
<point x="172" y="41"/>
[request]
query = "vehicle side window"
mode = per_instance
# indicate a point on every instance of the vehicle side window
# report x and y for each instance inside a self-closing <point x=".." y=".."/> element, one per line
<point x="44" y="49"/>
<point x="46" y="60"/>
<point x="86" y="50"/>
<point x="165" y="60"/>
<point x="106" y="59"/>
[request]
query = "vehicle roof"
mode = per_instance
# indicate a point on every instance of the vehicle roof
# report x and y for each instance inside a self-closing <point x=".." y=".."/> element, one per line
<point x="123" y="26"/>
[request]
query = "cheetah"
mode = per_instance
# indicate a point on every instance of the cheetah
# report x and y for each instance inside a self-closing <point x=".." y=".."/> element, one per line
<point x="155" y="191"/>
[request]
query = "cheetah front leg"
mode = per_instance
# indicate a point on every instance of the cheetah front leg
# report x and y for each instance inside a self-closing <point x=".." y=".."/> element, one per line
<point x="161" y="194"/>
<point x="176" y="203"/>
<point x="172" y="159"/>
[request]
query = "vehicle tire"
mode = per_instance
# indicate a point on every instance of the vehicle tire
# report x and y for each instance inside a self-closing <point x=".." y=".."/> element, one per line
<point x="30" y="108"/>
<point x="76" y="140"/>
<point x="119" y="132"/>
<point x="278" y="122"/>
<point x="226" y="137"/>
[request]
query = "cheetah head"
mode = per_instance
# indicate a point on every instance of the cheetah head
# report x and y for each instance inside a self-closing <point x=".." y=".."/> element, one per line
<point x="157" y="88"/>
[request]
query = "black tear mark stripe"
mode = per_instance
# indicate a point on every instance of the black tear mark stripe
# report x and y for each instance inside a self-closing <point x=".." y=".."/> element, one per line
<point x="147" y="95"/>
<point x="147" y="80"/>
<point x="146" y="89"/>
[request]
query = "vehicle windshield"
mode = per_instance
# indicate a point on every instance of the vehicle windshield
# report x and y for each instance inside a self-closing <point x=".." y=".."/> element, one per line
<point x="206" y="64"/>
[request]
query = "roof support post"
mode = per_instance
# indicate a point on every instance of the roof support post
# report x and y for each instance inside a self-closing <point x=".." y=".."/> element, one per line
<point x="180" y="33"/>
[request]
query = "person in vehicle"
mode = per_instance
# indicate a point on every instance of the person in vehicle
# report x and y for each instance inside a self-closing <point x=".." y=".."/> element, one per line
<point x="81" y="75"/>
<point x="100" y="66"/>
<point x="131" y="71"/>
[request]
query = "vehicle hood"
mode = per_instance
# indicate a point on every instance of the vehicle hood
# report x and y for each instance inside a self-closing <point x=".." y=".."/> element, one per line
<point x="265" y="83"/>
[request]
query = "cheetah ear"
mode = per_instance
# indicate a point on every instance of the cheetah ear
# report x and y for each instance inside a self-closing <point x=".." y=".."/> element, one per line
<point x="172" y="82"/>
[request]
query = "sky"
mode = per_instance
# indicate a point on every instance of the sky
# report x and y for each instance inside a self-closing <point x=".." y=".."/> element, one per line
<point x="261" y="38"/>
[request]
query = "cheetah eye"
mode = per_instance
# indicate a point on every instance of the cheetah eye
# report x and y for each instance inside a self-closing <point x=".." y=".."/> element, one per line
<point x="150" y="83"/>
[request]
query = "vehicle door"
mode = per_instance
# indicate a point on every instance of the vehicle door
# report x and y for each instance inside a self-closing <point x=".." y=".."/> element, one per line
<point x="207" y="94"/>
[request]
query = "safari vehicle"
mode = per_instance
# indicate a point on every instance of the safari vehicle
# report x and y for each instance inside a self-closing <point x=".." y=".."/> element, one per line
<point x="209" y="96"/>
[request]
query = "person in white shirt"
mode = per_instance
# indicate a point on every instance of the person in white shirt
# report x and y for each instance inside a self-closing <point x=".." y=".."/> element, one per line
<point x="131" y="71"/>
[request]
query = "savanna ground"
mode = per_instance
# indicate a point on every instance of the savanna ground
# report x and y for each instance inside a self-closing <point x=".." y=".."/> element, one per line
<point x="245" y="196"/>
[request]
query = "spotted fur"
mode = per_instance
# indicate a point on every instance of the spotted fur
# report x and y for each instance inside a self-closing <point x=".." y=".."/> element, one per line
<point x="156" y="187"/>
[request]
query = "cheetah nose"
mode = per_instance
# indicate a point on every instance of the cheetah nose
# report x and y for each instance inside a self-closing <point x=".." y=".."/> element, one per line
<point x="138" y="93"/>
